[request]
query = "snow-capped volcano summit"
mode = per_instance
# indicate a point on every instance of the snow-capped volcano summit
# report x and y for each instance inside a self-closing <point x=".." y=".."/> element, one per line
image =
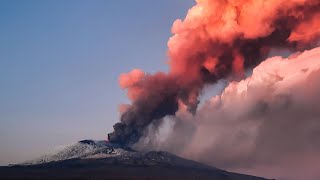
<point x="82" y="149"/>
<point x="91" y="149"/>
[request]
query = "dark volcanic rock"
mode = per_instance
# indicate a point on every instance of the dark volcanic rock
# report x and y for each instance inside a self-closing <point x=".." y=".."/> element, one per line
<point x="89" y="142"/>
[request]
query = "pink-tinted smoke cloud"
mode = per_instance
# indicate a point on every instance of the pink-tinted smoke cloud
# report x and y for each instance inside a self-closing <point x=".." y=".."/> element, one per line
<point x="217" y="39"/>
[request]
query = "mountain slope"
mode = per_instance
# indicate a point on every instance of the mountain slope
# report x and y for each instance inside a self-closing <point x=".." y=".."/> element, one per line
<point x="98" y="160"/>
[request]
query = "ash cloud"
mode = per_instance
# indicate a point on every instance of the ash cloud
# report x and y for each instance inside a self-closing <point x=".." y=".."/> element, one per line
<point x="217" y="39"/>
<point x="267" y="125"/>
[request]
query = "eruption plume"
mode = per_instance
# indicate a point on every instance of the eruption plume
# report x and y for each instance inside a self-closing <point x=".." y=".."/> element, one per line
<point x="217" y="39"/>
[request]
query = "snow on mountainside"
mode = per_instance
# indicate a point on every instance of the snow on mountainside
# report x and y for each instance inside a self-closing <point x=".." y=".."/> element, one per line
<point x="81" y="149"/>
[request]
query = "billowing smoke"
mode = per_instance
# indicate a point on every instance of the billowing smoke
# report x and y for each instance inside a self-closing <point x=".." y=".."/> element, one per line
<point x="218" y="39"/>
<point x="267" y="125"/>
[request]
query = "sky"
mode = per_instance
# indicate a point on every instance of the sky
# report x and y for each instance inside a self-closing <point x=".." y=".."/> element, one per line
<point x="60" y="62"/>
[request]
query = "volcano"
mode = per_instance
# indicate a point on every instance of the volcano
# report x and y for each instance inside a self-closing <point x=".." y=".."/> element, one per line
<point x="90" y="159"/>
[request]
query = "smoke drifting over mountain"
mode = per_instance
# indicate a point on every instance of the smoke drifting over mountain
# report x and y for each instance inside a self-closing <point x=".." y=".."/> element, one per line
<point x="267" y="124"/>
<point x="217" y="39"/>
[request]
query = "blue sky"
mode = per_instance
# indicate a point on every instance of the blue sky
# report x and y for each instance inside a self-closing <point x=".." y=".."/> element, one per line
<point x="60" y="61"/>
